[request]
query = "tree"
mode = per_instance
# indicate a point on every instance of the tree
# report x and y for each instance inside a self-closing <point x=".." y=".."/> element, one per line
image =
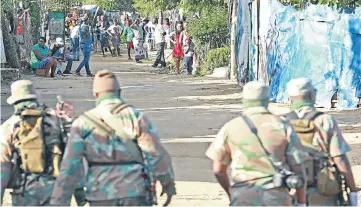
<point x="153" y="7"/>
<point x="8" y="25"/>
<point x="59" y="5"/>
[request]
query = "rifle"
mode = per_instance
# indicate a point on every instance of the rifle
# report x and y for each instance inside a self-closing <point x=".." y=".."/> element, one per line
<point x="64" y="112"/>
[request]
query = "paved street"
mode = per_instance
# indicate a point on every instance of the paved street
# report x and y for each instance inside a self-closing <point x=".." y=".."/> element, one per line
<point x="187" y="111"/>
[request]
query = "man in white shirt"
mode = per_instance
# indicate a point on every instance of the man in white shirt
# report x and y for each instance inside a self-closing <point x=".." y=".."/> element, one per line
<point x="159" y="35"/>
<point x="74" y="40"/>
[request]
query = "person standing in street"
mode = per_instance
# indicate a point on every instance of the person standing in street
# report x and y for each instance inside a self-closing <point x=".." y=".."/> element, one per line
<point x="130" y="35"/>
<point x="261" y="148"/>
<point x="85" y="45"/>
<point x="159" y="35"/>
<point x="188" y="51"/>
<point x="138" y="40"/>
<point x="122" y="149"/>
<point x="178" y="45"/>
<point x="115" y="31"/>
<point x="74" y="41"/>
<point x="323" y="136"/>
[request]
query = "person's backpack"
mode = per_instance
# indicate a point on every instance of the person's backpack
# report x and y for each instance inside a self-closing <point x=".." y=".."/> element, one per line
<point x="321" y="170"/>
<point x="33" y="154"/>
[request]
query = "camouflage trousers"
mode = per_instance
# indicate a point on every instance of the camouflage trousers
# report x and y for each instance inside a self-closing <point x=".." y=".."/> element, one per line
<point x="129" y="201"/>
<point x="258" y="196"/>
<point x="316" y="199"/>
<point x="37" y="192"/>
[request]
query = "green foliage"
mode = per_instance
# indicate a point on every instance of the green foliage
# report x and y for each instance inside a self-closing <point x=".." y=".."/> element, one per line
<point x="59" y="5"/>
<point x="200" y="5"/>
<point x="218" y="57"/>
<point x="105" y="4"/>
<point x="211" y="28"/>
<point x="154" y="6"/>
<point x="210" y="31"/>
<point x="338" y="3"/>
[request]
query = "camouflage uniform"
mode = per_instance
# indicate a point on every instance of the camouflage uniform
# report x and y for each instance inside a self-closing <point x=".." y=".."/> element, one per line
<point x="38" y="187"/>
<point x="328" y="128"/>
<point x="237" y="146"/>
<point x="112" y="184"/>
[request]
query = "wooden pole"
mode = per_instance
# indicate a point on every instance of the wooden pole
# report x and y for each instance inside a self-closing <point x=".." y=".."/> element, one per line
<point x="233" y="74"/>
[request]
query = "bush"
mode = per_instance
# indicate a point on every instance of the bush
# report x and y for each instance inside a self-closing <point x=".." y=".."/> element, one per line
<point x="218" y="57"/>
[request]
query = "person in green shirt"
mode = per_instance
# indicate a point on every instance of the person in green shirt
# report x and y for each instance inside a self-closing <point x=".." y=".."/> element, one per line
<point x="129" y="34"/>
<point x="41" y="58"/>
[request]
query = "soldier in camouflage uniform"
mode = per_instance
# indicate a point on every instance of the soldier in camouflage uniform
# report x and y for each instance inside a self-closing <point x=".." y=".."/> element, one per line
<point x="115" y="177"/>
<point x="238" y="146"/>
<point x="303" y="96"/>
<point x="37" y="189"/>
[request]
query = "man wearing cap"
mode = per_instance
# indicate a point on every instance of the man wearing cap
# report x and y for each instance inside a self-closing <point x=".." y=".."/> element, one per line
<point x="36" y="189"/>
<point x="248" y="144"/>
<point x="114" y="138"/>
<point x="58" y="52"/>
<point x="303" y="96"/>
<point x="85" y="45"/>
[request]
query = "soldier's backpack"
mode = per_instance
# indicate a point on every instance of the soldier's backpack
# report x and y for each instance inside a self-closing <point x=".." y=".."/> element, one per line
<point x="321" y="170"/>
<point x="32" y="154"/>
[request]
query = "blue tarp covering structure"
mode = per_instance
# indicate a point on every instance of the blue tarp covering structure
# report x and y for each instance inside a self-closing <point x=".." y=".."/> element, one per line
<point x="318" y="42"/>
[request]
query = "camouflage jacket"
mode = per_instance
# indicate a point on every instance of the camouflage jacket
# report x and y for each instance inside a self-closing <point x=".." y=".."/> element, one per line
<point x="235" y="144"/>
<point x="108" y="182"/>
<point x="37" y="186"/>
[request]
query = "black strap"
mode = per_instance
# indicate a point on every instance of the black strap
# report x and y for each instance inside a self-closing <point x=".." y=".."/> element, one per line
<point x="255" y="132"/>
<point x="122" y="162"/>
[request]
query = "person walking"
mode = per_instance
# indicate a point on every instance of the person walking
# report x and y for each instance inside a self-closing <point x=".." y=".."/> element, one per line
<point x="31" y="148"/>
<point x="160" y="43"/>
<point x="261" y="148"/>
<point x="323" y="140"/>
<point x="85" y="45"/>
<point x="122" y="149"/>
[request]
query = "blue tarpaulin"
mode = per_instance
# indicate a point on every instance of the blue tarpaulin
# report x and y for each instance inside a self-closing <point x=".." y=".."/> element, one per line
<point x="318" y="42"/>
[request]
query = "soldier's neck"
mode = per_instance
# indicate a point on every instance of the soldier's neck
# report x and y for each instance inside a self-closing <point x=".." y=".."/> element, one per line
<point x="107" y="96"/>
<point x="301" y="103"/>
